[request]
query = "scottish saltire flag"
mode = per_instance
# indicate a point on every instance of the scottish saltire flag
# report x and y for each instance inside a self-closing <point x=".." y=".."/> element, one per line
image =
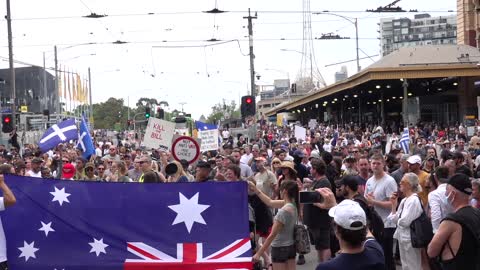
<point x="59" y="224"/>
<point x="58" y="133"/>
<point x="85" y="142"/>
<point x="205" y="126"/>
<point x="405" y="141"/>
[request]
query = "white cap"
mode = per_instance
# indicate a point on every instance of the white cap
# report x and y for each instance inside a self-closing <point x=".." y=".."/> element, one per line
<point x="414" y="159"/>
<point x="348" y="212"/>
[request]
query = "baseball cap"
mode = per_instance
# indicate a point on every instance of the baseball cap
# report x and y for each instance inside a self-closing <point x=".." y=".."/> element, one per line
<point x="414" y="159"/>
<point x="349" y="215"/>
<point x="315" y="154"/>
<point x="350" y="181"/>
<point x="68" y="170"/>
<point x="461" y="182"/>
<point x="299" y="153"/>
<point x="37" y="160"/>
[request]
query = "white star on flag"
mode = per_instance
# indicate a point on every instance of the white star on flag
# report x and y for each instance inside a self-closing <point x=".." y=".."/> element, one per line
<point x="98" y="246"/>
<point x="28" y="250"/>
<point x="46" y="228"/>
<point x="60" y="196"/>
<point x="189" y="211"/>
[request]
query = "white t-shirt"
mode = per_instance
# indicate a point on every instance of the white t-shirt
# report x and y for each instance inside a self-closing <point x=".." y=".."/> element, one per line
<point x="32" y="174"/>
<point x="225" y="134"/>
<point x="382" y="190"/>
<point x="246" y="158"/>
<point x="3" y="241"/>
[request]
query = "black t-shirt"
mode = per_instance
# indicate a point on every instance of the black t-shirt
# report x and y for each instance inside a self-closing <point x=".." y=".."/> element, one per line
<point x="263" y="214"/>
<point x="302" y="171"/>
<point x="314" y="217"/>
<point x="371" y="258"/>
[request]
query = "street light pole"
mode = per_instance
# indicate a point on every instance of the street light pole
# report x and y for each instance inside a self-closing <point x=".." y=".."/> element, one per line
<point x="353" y="21"/>
<point x="252" y="56"/>
<point x="12" y="68"/>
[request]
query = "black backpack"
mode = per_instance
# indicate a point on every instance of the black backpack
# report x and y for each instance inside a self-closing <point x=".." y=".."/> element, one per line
<point x="375" y="222"/>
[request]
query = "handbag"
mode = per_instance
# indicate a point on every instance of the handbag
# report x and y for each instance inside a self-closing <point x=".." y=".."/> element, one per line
<point x="302" y="239"/>
<point x="421" y="231"/>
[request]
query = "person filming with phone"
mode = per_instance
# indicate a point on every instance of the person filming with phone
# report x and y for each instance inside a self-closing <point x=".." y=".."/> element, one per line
<point x="358" y="248"/>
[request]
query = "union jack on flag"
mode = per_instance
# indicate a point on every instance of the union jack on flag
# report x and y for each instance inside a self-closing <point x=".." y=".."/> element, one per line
<point x="59" y="224"/>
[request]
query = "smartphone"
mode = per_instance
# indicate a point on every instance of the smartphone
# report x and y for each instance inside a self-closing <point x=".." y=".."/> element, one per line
<point x="309" y="197"/>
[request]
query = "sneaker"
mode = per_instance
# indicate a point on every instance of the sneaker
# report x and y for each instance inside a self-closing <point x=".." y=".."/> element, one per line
<point x="301" y="260"/>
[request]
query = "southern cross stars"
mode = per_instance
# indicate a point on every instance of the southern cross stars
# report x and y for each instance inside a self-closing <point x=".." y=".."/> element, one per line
<point x="28" y="250"/>
<point x="60" y="196"/>
<point x="189" y="211"/>
<point x="46" y="228"/>
<point x="98" y="246"/>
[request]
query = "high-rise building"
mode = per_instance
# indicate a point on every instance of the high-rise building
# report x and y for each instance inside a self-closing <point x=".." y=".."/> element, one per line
<point x="468" y="21"/>
<point x="342" y="74"/>
<point x="423" y="29"/>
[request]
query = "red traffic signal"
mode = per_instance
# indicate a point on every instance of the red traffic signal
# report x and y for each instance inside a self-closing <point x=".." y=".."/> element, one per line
<point x="7" y="120"/>
<point x="248" y="107"/>
<point x="7" y="124"/>
<point x="248" y="100"/>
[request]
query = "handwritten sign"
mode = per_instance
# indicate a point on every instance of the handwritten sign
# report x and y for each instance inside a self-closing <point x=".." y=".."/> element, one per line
<point x="159" y="134"/>
<point x="209" y="139"/>
<point x="186" y="148"/>
<point x="300" y="133"/>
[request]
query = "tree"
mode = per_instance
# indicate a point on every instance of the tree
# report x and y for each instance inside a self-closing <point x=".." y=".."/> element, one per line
<point x="107" y="113"/>
<point x="224" y="110"/>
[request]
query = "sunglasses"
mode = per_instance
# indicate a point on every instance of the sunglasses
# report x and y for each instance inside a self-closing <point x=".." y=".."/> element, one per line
<point x="276" y="163"/>
<point x="101" y="169"/>
<point x="89" y="169"/>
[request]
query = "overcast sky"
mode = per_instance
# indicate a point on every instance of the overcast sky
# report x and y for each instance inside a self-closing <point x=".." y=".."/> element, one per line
<point x="198" y="76"/>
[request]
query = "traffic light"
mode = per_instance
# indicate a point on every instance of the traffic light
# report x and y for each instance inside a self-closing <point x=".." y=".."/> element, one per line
<point x="147" y="112"/>
<point x="160" y="113"/>
<point x="7" y="125"/>
<point x="294" y="88"/>
<point x="248" y="106"/>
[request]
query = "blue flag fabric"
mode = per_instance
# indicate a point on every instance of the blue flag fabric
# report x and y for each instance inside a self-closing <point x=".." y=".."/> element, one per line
<point x="85" y="142"/>
<point x="58" y="133"/>
<point x="97" y="225"/>
<point x="405" y="141"/>
<point x="205" y="126"/>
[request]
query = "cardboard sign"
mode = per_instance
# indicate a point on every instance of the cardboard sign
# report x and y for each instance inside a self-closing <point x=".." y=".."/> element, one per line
<point x="209" y="139"/>
<point x="300" y="133"/>
<point x="186" y="148"/>
<point x="159" y="134"/>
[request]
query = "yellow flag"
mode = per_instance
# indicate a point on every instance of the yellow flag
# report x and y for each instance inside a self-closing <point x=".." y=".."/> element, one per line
<point x="74" y="86"/>
<point x="79" y="88"/>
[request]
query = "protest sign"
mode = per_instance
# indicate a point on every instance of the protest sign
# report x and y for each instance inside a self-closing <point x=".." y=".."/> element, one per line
<point x="159" y="134"/>
<point x="209" y="139"/>
<point x="186" y="148"/>
<point x="300" y="133"/>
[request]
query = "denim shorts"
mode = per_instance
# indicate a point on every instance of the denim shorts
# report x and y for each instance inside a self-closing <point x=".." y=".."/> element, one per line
<point x="283" y="254"/>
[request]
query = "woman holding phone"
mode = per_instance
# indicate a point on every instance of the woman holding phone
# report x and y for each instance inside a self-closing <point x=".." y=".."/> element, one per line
<point x="281" y="238"/>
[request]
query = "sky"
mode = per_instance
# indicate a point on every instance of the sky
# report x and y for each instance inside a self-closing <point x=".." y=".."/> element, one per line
<point x="166" y="58"/>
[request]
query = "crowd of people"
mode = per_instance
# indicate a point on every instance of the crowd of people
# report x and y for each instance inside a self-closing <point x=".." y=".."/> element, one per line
<point x="372" y="191"/>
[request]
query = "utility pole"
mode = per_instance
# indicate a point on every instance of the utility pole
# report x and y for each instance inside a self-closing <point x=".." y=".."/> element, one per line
<point x="12" y="68"/>
<point x="356" y="40"/>
<point x="45" y="99"/>
<point x="252" y="56"/>
<point x="59" y="108"/>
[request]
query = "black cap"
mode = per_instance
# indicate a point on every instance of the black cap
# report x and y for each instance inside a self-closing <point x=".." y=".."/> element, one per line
<point x="350" y="181"/>
<point x="461" y="182"/>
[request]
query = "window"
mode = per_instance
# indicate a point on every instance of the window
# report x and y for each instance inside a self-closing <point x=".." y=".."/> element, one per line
<point x="404" y="31"/>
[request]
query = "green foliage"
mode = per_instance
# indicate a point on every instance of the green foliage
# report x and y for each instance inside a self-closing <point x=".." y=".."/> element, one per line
<point x="221" y="110"/>
<point x="107" y="114"/>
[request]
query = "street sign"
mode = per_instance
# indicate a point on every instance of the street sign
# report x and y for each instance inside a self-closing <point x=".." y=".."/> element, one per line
<point x="23" y="109"/>
<point x="186" y="148"/>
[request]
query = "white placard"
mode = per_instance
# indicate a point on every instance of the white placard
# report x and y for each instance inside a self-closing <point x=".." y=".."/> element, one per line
<point x="159" y="134"/>
<point x="312" y="124"/>
<point x="300" y="133"/>
<point x="209" y="139"/>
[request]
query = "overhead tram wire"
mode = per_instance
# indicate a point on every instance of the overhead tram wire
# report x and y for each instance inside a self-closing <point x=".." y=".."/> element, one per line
<point x="235" y="11"/>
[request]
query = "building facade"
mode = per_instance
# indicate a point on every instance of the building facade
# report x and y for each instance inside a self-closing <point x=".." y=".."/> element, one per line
<point x="423" y="29"/>
<point x="468" y="22"/>
<point x="30" y="89"/>
<point x="342" y="74"/>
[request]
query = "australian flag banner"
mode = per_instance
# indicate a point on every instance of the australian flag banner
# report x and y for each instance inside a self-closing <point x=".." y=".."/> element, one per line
<point x="60" y="224"/>
<point x="58" y="133"/>
<point x="205" y="126"/>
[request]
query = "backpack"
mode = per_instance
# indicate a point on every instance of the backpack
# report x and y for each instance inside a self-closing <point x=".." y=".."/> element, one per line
<point x="375" y="222"/>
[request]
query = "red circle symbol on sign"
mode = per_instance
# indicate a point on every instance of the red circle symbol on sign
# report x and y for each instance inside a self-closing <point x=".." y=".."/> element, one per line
<point x="187" y="148"/>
